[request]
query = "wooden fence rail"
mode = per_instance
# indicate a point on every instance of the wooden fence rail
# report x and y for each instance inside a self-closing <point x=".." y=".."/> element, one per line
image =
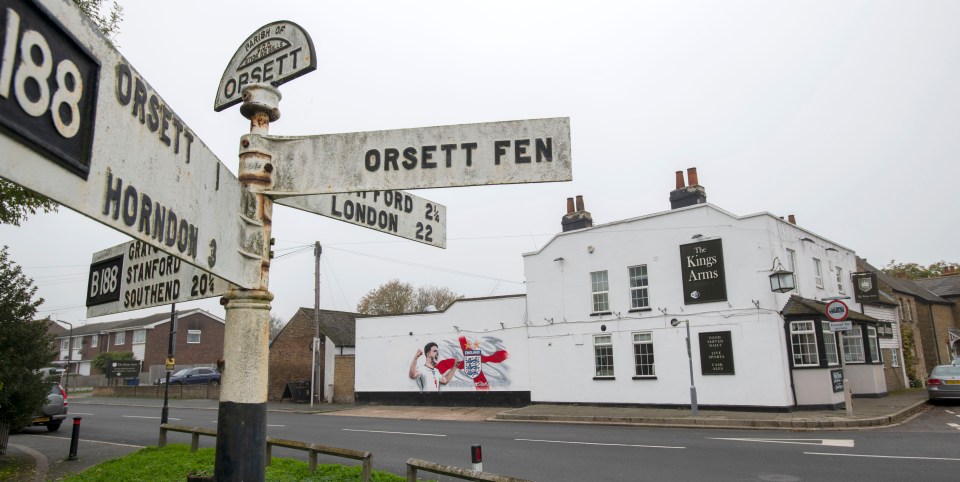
<point x="413" y="465"/>
<point x="312" y="450"/>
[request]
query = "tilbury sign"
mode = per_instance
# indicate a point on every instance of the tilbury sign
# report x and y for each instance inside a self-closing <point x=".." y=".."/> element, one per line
<point x="276" y="53"/>
<point x="84" y="128"/>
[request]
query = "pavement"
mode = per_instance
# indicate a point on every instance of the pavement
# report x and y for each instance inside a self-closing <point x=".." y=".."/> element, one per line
<point x="28" y="454"/>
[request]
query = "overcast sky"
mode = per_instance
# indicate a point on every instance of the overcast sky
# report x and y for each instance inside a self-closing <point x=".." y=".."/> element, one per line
<point x="845" y="114"/>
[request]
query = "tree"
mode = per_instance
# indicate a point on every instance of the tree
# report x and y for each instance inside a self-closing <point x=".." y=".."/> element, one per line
<point x="18" y="202"/>
<point x="394" y="298"/>
<point x="25" y="347"/>
<point x="916" y="271"/>
<point x="276" y="326"/>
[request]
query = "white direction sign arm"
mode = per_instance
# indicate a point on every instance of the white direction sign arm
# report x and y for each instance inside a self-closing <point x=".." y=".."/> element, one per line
<point x="393" y="212"/>
<point x="511" y="152"/>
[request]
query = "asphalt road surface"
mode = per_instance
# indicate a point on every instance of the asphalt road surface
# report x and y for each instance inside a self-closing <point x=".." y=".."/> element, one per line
<point x="923" y="449"/>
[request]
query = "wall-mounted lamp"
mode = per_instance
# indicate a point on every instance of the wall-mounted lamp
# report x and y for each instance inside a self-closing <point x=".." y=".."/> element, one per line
<point x="781" y="280"/>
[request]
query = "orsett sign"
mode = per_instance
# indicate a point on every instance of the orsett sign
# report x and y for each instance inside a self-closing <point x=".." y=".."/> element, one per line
<point x="508" y="152"/>
<point x="135" y="275"/>
<point x="84" y="128"/>
<point x="276" y="53"/>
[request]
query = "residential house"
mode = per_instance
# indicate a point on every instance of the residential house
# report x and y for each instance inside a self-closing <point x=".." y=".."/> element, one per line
<point x="611" y="310"/>
<point x="886" y="309"/>
<point x="291" y="354"/>
<point x="948" y="288"/>
<point x="198" y="341"/>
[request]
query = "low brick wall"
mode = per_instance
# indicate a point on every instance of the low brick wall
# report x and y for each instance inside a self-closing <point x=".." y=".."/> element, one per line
<point x="211" y="392"/>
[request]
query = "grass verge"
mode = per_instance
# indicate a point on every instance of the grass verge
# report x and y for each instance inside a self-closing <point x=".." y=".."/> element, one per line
<point x="175" y="461"/>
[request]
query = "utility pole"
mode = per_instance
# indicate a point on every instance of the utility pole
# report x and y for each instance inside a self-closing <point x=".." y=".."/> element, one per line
<point x="314" y="372"/>
<point x="171" y="348"/>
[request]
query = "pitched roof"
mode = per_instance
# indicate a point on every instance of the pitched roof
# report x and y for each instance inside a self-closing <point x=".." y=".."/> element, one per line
<point x="942" y="285"/>
<point x="339" y="326"/>
<point x="135" y="323"/>
<point x="907" y="286"/>
<point x="797" y="306"/>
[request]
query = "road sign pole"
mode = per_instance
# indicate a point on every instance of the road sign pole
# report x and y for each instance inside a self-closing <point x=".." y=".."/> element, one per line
<point x="242" y="419"/>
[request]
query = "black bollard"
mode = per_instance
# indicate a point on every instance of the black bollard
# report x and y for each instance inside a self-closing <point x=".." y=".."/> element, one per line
<point x="476" y="458"/>
<point x="74" y="439"/>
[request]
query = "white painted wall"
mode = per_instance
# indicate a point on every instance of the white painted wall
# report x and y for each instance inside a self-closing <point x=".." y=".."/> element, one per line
<point x="386" y="345"/>
<point x="562" y="328"/>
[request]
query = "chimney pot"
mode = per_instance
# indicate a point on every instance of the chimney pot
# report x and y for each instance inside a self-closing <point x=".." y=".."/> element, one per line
<point x="692" y="176"/>
<point x="579" y="203"/>
<point x="792" y="219"/>
<point x="569" y="205"/>
<point x="680" y="184"/>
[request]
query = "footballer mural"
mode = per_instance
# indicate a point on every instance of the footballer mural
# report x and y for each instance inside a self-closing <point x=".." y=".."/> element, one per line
<point x="478" y="363"/>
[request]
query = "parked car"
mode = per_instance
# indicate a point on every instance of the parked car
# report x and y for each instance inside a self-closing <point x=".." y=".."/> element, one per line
<point x="193" y="376"/>
<point x="54" y="411"/>
<point x="944" y="383"/>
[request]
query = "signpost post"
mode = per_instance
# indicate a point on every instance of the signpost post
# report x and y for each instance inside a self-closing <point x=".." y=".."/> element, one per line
<point x="837" y="312"/>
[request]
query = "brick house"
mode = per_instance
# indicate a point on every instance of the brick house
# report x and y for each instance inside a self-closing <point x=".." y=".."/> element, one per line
<point x="291" y="355"/>
<point x="948" y="288"/>
<point x="198" y="341"/>
<point x="887" y="310"/>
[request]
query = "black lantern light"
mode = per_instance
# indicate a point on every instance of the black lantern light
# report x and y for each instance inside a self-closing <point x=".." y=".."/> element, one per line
<point x="781" y="281"/>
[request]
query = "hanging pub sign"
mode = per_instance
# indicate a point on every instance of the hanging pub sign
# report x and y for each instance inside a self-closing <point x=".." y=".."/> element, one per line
<point x="865" y="287"/>
<point x="716" y="353"/>
<point x="702" y="269"/>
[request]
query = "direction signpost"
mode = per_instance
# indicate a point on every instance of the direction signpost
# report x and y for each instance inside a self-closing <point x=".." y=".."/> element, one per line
<point x="81" y="126"/>
<point x="134" y="275"/>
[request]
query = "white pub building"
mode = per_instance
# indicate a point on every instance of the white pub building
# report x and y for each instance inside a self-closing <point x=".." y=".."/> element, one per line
<point x="608" y="309"/>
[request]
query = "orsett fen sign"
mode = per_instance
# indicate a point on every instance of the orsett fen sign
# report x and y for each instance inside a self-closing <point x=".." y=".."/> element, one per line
<point x="508" y="152"/>
<point x="135" y="275"/>
<point x="80" y="125"/>
<point x="274" y="54"/>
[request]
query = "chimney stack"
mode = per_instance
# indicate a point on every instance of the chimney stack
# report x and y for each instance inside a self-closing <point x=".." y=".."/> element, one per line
<point x="690" y="195"/>
<point x="792" y="219"/>
<point x="578" y="219"/>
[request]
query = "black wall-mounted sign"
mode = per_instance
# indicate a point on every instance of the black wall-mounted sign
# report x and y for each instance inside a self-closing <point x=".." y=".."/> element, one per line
<point x="865" y="288"/>
<point x="702" y="269"/>
<point x="836" y="376"/>
<point x="123" y="368"/>
<point x="716" y="353"/>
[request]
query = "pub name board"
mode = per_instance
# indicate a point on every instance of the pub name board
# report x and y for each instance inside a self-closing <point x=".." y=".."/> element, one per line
<point x="701" y="265"/>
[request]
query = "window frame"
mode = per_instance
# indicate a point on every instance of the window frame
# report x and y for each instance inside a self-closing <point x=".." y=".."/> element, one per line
<point x="855" y="339"/>
<point x="874" y="343"/>
<point x="829" y="335"/>
<point x="120" y="338"/>
<point x="65" y="343"/>
<point x="840" y="283"/>
<point x="190" y="333"/>
<point x="139" y="337"/>
<point x="603" y="352"/>
<point x="894" y="358"/>
<point x="796" y="342"/>
<point x="647" y="359"/>
<point x="643" y="289"/>
<point x="94" y="341"/>
<point x="792" y="262"/>
<point x="600" y="298"/>
<point x="817" y="273"/>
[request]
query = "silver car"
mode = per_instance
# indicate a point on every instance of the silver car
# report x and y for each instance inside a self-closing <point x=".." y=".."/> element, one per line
<point x="944" y="383"/>
<point x="54" y="411"/>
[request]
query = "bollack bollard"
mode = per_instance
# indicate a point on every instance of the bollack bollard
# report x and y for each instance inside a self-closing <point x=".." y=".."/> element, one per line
<point x="74" y="439"/>
<point x="476" y="457"/>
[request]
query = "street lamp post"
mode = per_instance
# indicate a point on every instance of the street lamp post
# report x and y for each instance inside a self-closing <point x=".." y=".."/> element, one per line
<point x="66" y="373"/>
<point x="693" y="388"/>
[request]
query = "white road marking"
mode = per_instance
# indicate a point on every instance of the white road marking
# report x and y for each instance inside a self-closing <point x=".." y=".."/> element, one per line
<point x="275" y="425"/>
<point x="91" y="441"/>
<point x="954" y="425"/>
<point x="79" y="413"/>
<point x="884" y="456"/>
<point x="950" y="412"/>
<point x="142" y="416"/>
<point x="396" y="433"/>
<point x="597" y="443"/>
<point x="797" y="441"/>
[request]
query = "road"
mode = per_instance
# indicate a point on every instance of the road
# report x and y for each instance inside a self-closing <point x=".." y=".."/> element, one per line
<point x="924" y="448"/>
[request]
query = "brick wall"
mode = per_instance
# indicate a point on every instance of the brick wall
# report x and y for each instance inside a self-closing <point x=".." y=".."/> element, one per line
<point x="207" y="352"/>
<point x="893" y="375"/>
<point x="290" y="355"/>
<point x="343" y="378"/>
